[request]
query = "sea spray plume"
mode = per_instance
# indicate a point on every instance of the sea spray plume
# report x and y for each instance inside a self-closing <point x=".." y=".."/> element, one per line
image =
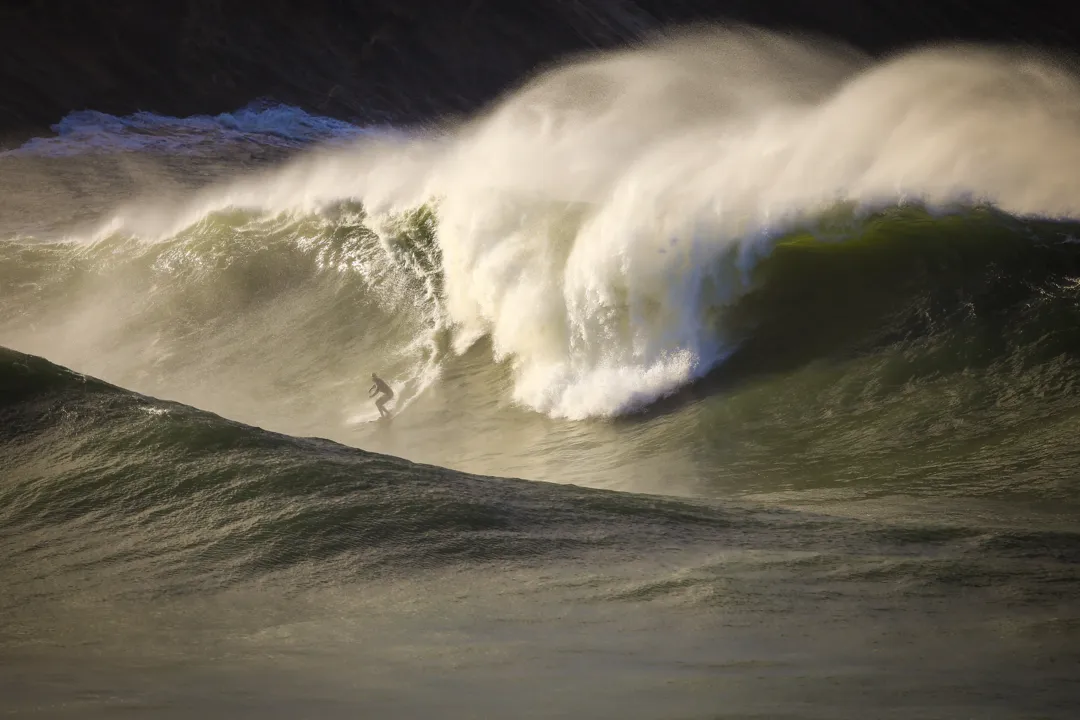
<point x="597" y="317"/>
<point x="596" y="222"/>
<point x="599" y="218"/>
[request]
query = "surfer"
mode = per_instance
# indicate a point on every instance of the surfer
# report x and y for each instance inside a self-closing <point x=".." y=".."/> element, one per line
<point x="385" y="394"/>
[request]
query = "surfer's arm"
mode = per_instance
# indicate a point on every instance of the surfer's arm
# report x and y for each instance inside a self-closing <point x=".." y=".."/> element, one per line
<point x="371" y="392"/>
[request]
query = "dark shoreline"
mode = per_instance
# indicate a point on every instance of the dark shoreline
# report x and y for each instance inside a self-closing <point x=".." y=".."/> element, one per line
<point x="381" y="61"/>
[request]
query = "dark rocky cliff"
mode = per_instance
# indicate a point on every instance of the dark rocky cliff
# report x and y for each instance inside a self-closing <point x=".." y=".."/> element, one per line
<point x="398" y="60"/>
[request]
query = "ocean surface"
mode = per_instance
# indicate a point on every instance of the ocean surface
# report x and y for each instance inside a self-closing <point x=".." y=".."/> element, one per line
<point x="736" y="377"/>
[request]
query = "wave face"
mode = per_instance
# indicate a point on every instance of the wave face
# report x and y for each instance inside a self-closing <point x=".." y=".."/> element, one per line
<point x="278" y="320"/>
<point x="240" y="305"/>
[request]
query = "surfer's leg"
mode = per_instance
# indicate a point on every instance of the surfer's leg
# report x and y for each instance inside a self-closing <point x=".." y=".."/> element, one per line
<point x="381" y="404"/>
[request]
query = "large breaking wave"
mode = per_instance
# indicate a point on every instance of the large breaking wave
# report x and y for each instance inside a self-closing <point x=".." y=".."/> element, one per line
<point x="599" y="224"/>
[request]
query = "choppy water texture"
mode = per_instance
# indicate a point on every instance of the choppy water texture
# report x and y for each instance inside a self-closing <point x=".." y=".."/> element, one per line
<point x="790" y="337"/>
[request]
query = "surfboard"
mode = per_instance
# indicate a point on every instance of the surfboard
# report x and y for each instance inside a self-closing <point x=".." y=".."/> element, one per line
<point x="370" y="416"/>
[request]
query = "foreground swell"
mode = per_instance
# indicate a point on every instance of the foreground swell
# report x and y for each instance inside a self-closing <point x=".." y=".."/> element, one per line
<point x="141" y="486"/>
<point x="130" y="484"/>
<point x="150" y="548"/>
